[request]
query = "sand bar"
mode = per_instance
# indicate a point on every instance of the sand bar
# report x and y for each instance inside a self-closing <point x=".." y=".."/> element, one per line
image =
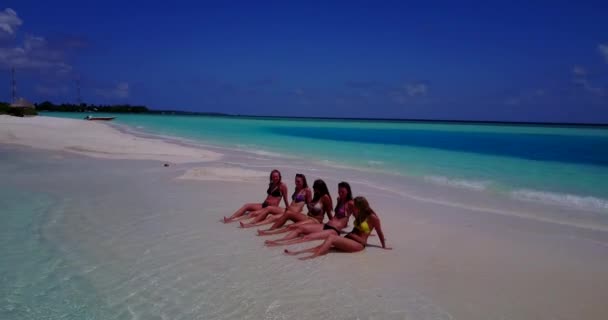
<point x="94" y="139"/>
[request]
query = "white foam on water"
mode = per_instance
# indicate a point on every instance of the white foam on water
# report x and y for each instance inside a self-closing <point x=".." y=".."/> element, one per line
<point x="222" y="174"/>
<point x="562" y="199"/>
<point x="478" y="185"/>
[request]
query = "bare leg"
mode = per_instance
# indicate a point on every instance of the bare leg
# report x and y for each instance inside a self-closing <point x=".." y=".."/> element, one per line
<point x="262" y="215"/>
<point x="258" y="218"/>
<point x="270" y="220"/>
<point x="240" y="212"/>
<point x="340" y="243"/>
<point x="288" y="228"/>
<point x="289" y="215"/>
<point x="300" y="230"/>
<point x="293" y="253"/>
<point x="321" y="235"/>
<point x="274" y="231"/>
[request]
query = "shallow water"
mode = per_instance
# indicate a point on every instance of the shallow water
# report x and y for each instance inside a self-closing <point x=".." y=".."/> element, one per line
<point x="92" y="239"/>
<point x="38" y="279"/>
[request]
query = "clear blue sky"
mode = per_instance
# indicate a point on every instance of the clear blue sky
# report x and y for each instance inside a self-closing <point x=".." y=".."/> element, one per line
<point x="384" y="59"/>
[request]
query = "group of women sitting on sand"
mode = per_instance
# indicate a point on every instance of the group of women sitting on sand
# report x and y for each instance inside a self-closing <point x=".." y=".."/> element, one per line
<point x="309" y="227"/>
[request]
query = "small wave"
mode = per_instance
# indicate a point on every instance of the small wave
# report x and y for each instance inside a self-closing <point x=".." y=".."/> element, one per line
<point x="256" y="150"/>
<point x="562" y="199"/>
<point x="459" y="183"/>
<point x="375" y="163"/>
<point x="336" y="165"/>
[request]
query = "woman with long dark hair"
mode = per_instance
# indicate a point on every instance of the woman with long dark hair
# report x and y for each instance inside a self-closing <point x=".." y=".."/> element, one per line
<point x="301" y="196"/>
<point x="365" y="222"/>
<point x="315" y="231"/>
<point x="276" y="190"/>
<point x="319" y="206"/>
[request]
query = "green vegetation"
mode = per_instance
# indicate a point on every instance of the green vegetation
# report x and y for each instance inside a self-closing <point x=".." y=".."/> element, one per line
<point x="5" y="108"/>
<point x="65" y="107"/>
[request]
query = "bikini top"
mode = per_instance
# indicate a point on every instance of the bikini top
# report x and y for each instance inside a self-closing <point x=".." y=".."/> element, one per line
<point x="341" y="211"/>
<point x="276" y="192"/>
<point x="315" y="209"/>
<point x="363" y="227"/>
<point x="300" y="196"/>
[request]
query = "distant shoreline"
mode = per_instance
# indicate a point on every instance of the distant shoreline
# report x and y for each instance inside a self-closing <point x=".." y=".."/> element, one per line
<point x="398" y="120"/>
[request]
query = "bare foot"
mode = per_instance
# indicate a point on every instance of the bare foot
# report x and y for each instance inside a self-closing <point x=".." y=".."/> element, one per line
<point x="226" y="220"/>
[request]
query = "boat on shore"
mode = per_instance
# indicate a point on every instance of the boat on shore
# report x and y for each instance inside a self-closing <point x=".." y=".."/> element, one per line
<point x="91" y="118"/>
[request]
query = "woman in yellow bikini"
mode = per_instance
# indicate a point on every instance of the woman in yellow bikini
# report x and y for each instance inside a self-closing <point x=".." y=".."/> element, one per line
<point x="301" y="196"/>
<point x="315" y="231"/>
<point x="365" y="222"/>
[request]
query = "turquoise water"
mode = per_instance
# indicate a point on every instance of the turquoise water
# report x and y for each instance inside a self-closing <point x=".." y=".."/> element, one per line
<point x="38" y="282"/>
<point x="559" y="164"/>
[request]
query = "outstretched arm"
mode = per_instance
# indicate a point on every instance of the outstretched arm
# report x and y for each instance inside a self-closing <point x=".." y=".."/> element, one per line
<point x="350" y="205"/>
<point x="328" y="207"/>
<point x="376" y="224"/>
<point x="284" y="192"/>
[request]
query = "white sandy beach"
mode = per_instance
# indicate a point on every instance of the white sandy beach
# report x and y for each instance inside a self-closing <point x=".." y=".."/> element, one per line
<point x="148" y="238"/>
<point x="93" y="139"/>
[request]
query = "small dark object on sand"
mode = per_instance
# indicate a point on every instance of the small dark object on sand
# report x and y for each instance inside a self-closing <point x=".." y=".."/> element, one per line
<point x="166" y="165"/>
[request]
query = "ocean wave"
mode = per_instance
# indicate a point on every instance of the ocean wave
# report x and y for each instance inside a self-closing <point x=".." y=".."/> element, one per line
<point x="338" y="165"/>
<point x="256" y="150"/>
<point x="459" y="183"/>
<point x="562" y="199"/>
<point x="375" y="163"/>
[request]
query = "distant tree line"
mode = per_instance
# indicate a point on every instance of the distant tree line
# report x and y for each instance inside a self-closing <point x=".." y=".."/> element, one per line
<point x="5" y="108"/>
<point x="83" y="107"/>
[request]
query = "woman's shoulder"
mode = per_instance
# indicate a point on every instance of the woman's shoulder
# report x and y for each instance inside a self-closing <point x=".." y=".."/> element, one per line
<point x="374" y="217"/>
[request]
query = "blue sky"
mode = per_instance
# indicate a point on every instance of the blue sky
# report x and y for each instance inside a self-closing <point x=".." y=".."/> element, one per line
<point x="389" y="59"/>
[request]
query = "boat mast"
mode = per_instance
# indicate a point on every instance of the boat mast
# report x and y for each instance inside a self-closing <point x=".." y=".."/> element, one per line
<point x="78" y="97"/>
<point x="13" y="85"/>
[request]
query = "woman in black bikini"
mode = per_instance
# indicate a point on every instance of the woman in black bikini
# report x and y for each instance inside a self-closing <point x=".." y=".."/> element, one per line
<point x="315" y="231"/>
<point x="365" y="222"/>
<point x="320" y="206"/>
<point x="301" y="196"/>
<point x="276" y="191"/>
